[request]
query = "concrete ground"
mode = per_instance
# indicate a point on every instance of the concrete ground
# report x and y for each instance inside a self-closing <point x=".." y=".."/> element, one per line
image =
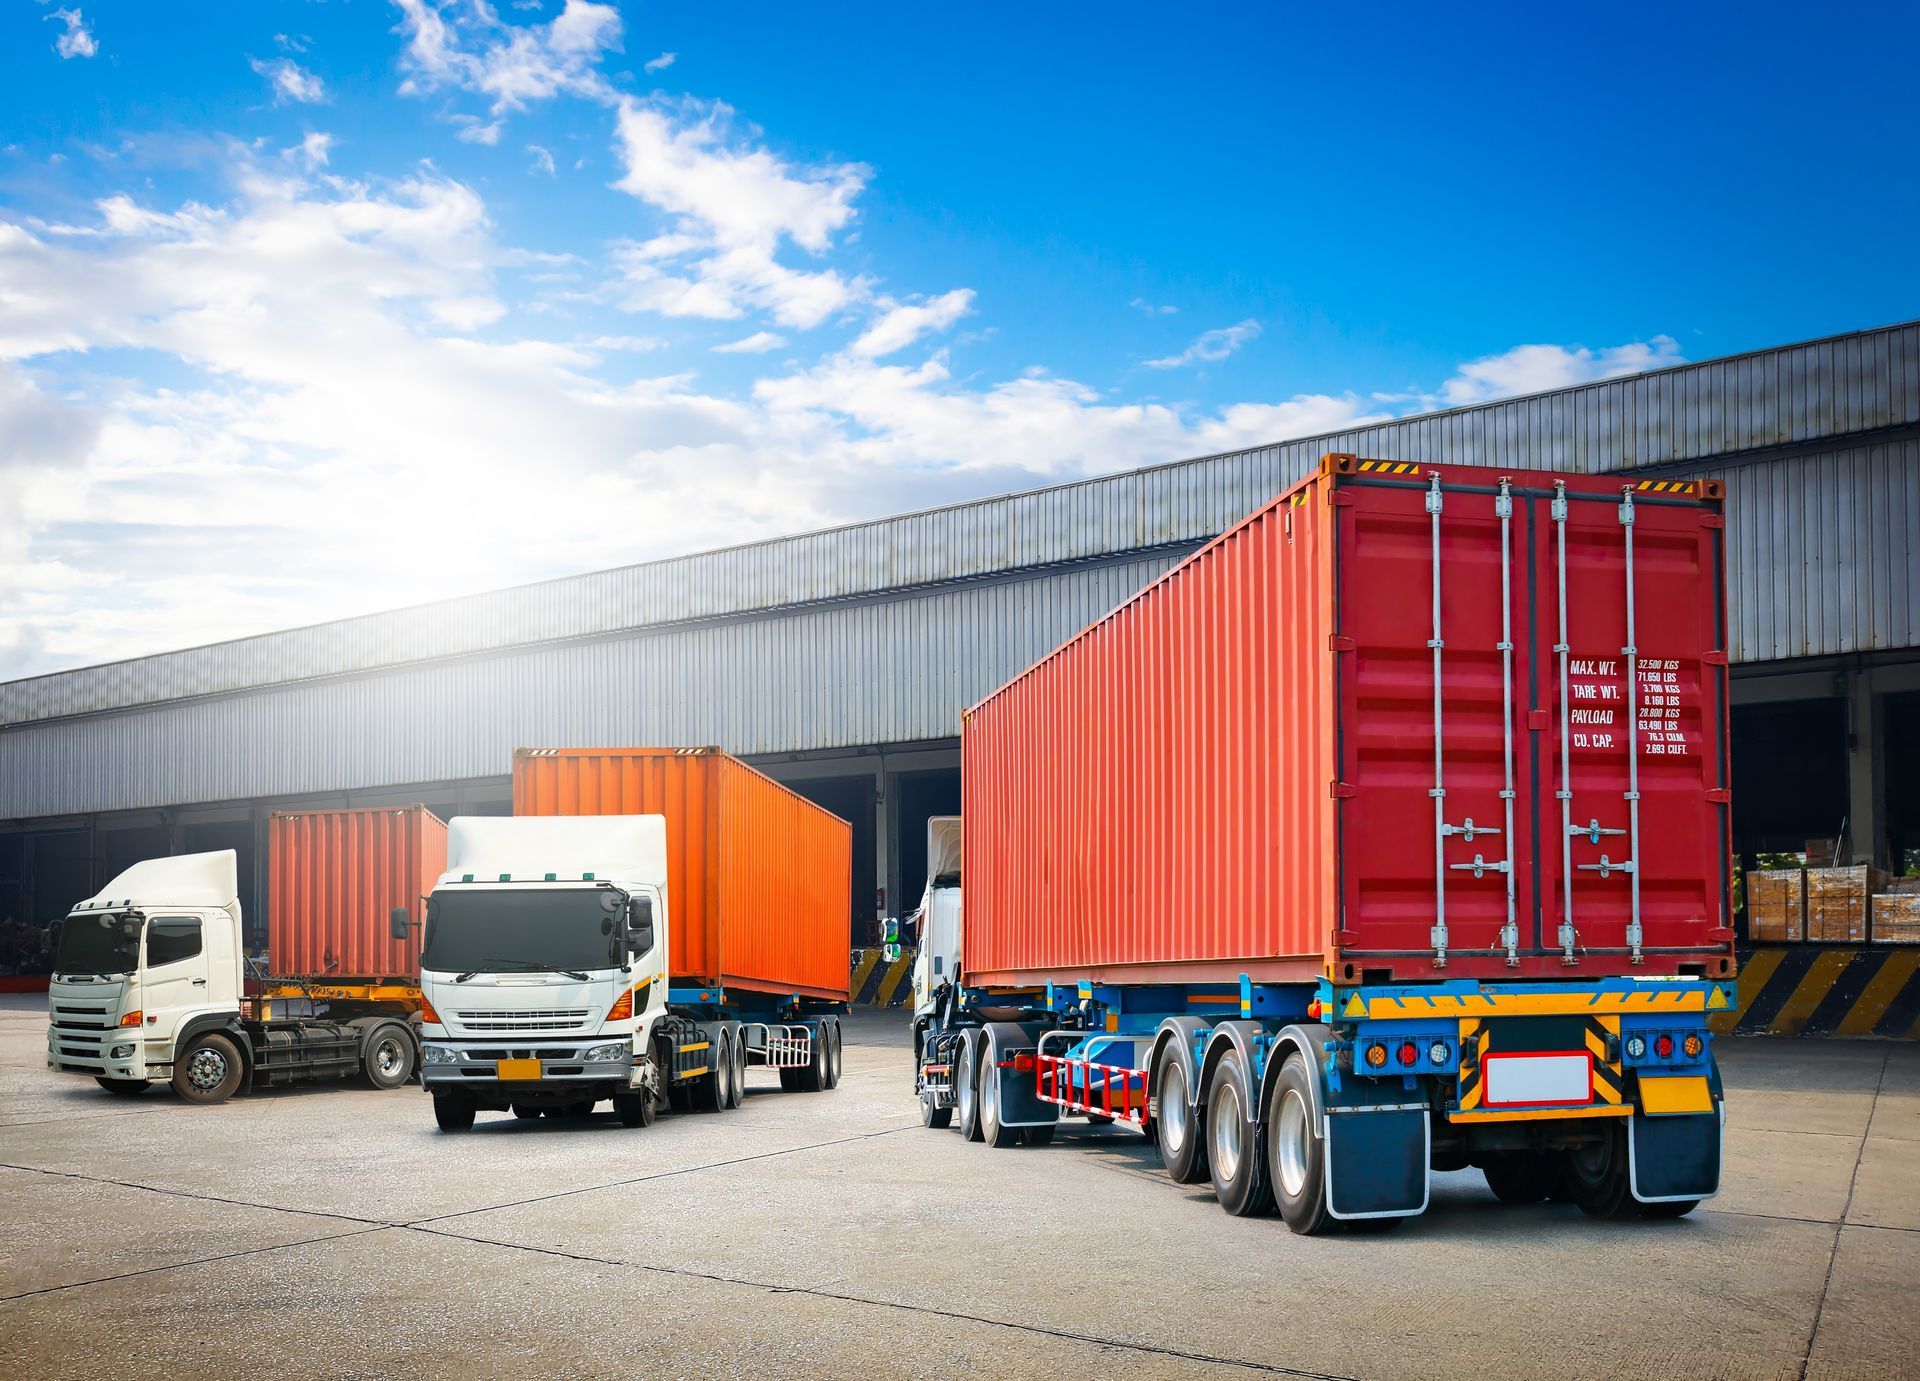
<point x="331" y="1231"/>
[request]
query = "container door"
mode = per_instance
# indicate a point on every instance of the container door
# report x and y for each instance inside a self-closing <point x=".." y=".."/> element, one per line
<point x="1434" y="671"/>
<point x="1634" y="758"/>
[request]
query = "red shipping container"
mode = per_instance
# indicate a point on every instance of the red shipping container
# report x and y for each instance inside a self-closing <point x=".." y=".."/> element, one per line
<point x="1235" y="771"/>
<point x="759" y="879"/>
<point x="334" y="878"/>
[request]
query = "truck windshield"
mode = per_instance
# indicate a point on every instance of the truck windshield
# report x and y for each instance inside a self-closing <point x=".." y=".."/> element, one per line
<point x="97" y="943"/>
<point x="522" y="930"/>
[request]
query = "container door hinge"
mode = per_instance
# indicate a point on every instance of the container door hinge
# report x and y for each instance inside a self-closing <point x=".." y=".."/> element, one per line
<point x="1712" y="520"/>
<point x="1341" y="791"/>
<point x="1719" y="795"/>
<point x="1538" y="721"/>
<point x="1714" y="659"/>
<point x="1340" y="642"/>
<point x="1340" y="498"/>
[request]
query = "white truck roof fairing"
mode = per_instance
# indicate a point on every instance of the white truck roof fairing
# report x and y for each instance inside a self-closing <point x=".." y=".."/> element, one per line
<point x="943" y="845"/>
<point x="614" y="848"/>
<point x="191" y="880"/>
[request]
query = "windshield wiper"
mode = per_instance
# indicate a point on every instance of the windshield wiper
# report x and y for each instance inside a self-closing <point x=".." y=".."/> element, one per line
<point x="524" y="966"/>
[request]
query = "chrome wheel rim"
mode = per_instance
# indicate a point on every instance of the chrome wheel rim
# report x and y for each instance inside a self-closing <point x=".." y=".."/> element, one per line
<point x="964" y="1094"/>
<point x="990" y="1093"/>
<point x="1226" y="1131"/>
<point x="1173" y="1106"/>
<point x="386" y="1057"/>
<point x="1291" y="1139"/>
<point x="206" y="1069"/>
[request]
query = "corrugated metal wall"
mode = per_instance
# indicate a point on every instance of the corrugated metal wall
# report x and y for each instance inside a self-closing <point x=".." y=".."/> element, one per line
<point x="1798" y="394"/>
<point x="880" y="671"/>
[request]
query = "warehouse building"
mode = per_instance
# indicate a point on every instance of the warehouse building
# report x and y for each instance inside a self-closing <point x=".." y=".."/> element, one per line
<point x="840" y="661"/>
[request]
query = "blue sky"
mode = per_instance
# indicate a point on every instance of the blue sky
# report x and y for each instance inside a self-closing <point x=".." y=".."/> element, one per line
<point x="308" y="309"/>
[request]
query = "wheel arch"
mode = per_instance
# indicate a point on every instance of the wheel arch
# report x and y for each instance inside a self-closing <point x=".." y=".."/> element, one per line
<point x="1309" y="1041"/>
<point x="1177" y="1032"/>
<point x="227" y="1024"/>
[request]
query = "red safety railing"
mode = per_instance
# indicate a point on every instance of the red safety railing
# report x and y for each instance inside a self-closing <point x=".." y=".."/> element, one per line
<point x="1112" y="1091"/>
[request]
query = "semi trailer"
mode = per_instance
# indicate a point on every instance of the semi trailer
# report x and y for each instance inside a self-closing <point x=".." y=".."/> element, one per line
<point x="150" y="979"/>
<point x="1387" y="834"/>
<point x="647" y="927"/>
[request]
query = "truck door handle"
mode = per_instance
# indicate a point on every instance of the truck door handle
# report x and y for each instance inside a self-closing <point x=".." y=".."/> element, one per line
<point x="200" y="982"/>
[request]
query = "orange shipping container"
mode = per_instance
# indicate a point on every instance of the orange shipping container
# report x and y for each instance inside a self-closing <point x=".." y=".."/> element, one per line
<point x="334" y="878"/>
<point x="759" y="879"/>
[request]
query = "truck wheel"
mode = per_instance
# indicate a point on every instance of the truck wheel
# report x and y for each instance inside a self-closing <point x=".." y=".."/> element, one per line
<point x="125" y="1088"/>
<point x="635" y="1109"/>
<point x="1236" y="1141"/>
<point x="814" y="1077"/>
<point x="709" y="1091"/>
<point x="966" y="1086"/>
<point x="208" y="1070"/>
<point x="452" y="1112"/>
<point x="387" y="1058"/>
<point x="1597" y="1175"/>
<point x="1295" y="1152"/>
<point x="736" y="1070"/>
<point x="991" y="1131"/>
<point x="525" y="1113"/>
<point x="830" y="1074"/>
<point x="931" y="1113"/>
<point x="1521" y="1177"/>
<point x="1176" y="1129"/>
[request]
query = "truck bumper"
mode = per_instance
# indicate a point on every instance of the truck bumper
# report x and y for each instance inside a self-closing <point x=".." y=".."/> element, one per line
<point x="115" y="1055"/>
<point x="491" y="1075"/>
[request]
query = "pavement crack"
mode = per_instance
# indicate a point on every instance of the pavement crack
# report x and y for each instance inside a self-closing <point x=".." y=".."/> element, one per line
<point x="197" y="1261"/>
<point x="774" y="1287"/>
<point x="1853" y="1182"/>
<point x="657" y="1175"/>
<point x="204" y="1198"/>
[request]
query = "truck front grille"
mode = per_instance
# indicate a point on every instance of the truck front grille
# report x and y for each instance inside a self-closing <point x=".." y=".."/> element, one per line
<point x="556" y="1020"/>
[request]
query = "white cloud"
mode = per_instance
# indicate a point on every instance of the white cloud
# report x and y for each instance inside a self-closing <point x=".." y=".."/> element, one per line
<point x="291" y="81"/>
<point x="78" y="41"/>
<point x="661" y="63"/>
<point x="1140" y="304"/>
<point x="756" y="344"/>
<point x="1211" y="345"/>
<point x="1537" y="368"/>
<point x="469" y="48"/>
<point x="474" y="131"/>
<point x="542" y="160"/>
<point x="292" y="43"/>
<point x="312" y="151"/>
<point x="901" y="325"/>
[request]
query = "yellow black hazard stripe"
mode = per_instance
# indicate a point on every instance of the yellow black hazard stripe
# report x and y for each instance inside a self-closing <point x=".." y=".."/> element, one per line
<point x="1666" y="486"/>
<point x="876" y="983"/>
<point x="1388" y="467"/>
<point x="1821" y="990"/>
<point x="1603" y="1043"/>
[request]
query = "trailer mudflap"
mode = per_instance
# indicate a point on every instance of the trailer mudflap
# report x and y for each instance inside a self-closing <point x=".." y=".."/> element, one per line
<point x="1671" y="1159"/>
<point x="1376" y="1161"/>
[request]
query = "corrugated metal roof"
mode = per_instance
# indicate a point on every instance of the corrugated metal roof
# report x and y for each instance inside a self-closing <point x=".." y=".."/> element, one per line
<point x="1795" y="395"/>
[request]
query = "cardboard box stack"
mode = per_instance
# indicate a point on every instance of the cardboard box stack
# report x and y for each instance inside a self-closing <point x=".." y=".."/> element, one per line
<point x="1896" y="913"/>
<point x="1838" y="902"/>
<point x="1777" y="905"/>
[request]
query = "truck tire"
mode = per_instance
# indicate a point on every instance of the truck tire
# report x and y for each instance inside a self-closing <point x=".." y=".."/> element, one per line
<point x="452" y="1112"/>
<point x="124" y="1088"/>
<point x="932" y="1114"/>
<point x="525" y="1113"/>
<point x="709" y="1092"/>
<point x="737" y="1070"/>
<point x="1295" y="1153"/>
<point x="991" y="1131"/>
<point x="1236" y="1141"/>
<point x="386" y="1057"/>
<point x="1521" y="1177"/>
<point x="1597" y="1175"/>
<point x="830" y="1073"/>
<point x="208" y="1070"/>
<point x="1177" y="1130"/>
<point x="966" y="1086"/>
<point x="634" y="1109"/>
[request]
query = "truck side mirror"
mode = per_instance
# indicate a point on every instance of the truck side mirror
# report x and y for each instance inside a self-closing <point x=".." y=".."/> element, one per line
<point x="640" y="926"/>
<point x="890" y="930"/>
<point x="399" y="922"/>
<point x="892" y="951"/>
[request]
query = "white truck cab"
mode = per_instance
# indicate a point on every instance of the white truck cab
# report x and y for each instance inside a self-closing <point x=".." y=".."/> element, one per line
<point x="936" y="966"/>
<point x="145" y="970"/>
<point x="544" y="966"/>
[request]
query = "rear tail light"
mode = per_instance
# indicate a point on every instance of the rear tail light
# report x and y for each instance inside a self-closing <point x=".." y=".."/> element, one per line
<point x="1409" y="1052"/>
<point x="1438" y="1052"/>
<point x="132" y="1018"/>
<point x="1693" y="1045"/>
<point x="1636" y="1047"/>
<point x="1663" y="1046"/>
<point x="622" y="1008"/>
<point x="1376" y="1054"/>
<point x="1313" y="1009"/>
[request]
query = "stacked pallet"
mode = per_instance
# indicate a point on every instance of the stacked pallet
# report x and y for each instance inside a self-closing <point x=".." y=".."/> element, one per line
<point x="1839" y="902"/>
<point x="1777" y="905"/>
<point x="1896" y="913"/>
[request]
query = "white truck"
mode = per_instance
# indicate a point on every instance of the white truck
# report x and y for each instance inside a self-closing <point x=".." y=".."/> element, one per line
<point x="548" y="986"/>
<point x="149" y="987"/>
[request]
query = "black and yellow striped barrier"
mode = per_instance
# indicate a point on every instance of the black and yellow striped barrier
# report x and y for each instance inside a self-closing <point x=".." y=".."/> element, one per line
<point x="1821" y="990"/>
<point x="876" y="983"/>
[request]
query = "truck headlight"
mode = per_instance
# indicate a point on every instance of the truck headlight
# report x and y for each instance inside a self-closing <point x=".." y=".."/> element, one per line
<point x="440" y="1055"/>
<point x="120" y="1052"/>
<point x="612" y="1050"/>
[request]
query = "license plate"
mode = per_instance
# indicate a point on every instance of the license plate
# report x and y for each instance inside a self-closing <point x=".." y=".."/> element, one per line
<point x="1538" y="1080"/>
<point x="518" y="1071"/>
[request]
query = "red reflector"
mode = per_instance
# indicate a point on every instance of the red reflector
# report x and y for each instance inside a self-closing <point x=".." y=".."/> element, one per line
<point x="1663" y="1046"/>
<point x="1023" y="1064"/>
<point x="1409" y="1052"/>
<point x="1313" y="1009"/>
